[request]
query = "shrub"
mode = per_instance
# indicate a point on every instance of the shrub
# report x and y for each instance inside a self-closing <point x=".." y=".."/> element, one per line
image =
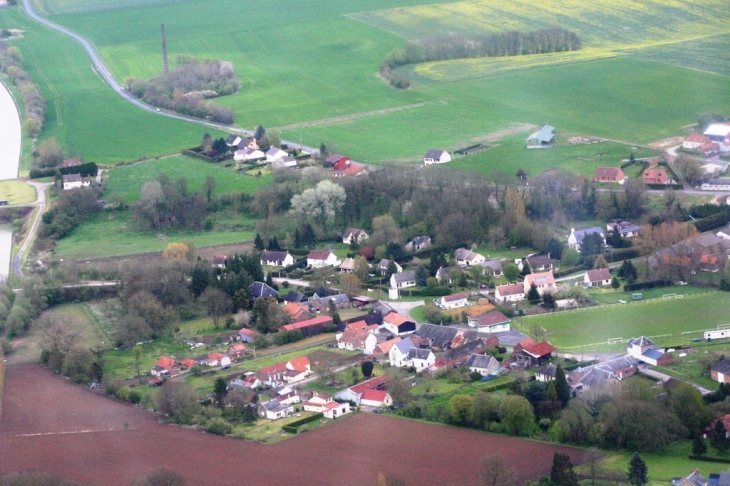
<point x="218" y="426"/>
<point x="650" y="284"/>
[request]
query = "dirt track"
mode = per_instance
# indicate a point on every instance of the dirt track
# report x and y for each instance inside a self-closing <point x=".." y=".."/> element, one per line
<point x="55" y="427"/>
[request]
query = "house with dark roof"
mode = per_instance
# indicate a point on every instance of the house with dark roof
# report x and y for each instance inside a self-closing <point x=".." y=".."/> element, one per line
<point x="607" y="373"/>
<point x="510" y="292"/>
<point x="419" y="243"/>
<point x="457" y="356"/>
<point x="403" y="280"/>
<point x="339" y="301"/>
<point x="576" y="237"/>
<point x="546" y="373"/>
<point x="74" y="181"/>
<point x="322" y="258"/>
<point x="484" y="364"/>
<point x="276" y="258"/>
<point x="354" y="234"/>
<point x="536" y="263"/>
<point x="399" y="324"/>
<point x="542" y="138"/>
<point x="233" y="140"/>
<point x="609" y="174"/>
<point x="598" y="277"/>
<point x="296" y="297"/>
<point x="644" y="349"/>
<point x="219" y="261"/>
<point x="626" y="229"/>
<point x="443" y="274"/>
<point x="445" y="337"/>
<point x="259" y="290"/>
<point x="248" y="143"/>
<point x="468" y="258"/>
<point x="420" y="359"/>
<point x="385" y="263"/>
<point x="436" y="157"/>
<point x="495" y="265"/>
<point x="718" y="184"/>
<point x="398" y="352"/>
<point x="534" y="355"/>
<point x="721" y="371"/>
<point x="274" y="409"/>
<point x="490" y="322"/>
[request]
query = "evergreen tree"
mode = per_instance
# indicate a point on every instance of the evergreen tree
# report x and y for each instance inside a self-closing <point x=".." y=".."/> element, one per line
<point x="615" y="284"/>
<point x="201" y="278"/>
<point x="638" y="472"/>
<point x="600" y="262"/>
<point x="616" y="241"/>
<point x="269" y="280"/>
<point x="533" y="295"/>
<point x="274" y="245"/>
<point x="297" y="239"/>
<point x="718" y="439"/>
<point x="308" y="236"/>
<point x="552" y="393"/>
<point x="220" y="390"/>
<point x="260" y="132"/>
<point x="258" y="243"/>
<point x="699" y="448"/>
<point x="562" y="473"/>
<point x="561" y="386"/>
<point x="548" y="300"/>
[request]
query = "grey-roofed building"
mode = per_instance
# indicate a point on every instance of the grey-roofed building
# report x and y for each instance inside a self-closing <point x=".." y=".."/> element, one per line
<point x="546" y="372"/>
<point x="721" y="371"/>
<point x="576" y="237"/>
<point x="482" y="363"/>
<point x="297" y="297"/>
<point x="694" y="479"/>
<point x="403" y="280"/>
<point x="259" y="290"/>
<point x="419" y="243"/>
<point x="436" y="157"/>
<point x="274" y="409"/>
<point x="494" y="264"/>
<point x="420" y="359"/>
<point x="542" y="138"/>
<point x="276" y="258"/>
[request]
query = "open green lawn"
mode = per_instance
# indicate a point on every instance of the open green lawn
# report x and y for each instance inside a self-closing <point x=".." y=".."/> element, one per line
<point x="607" y="295"/>
<point x="314" y="75"/>
<point x="129" y="179"/>
<point x="83" y="113"/>
<point x="574" y="329"/>
<point x="17" y="192"/>
<point x="113" y="234"/>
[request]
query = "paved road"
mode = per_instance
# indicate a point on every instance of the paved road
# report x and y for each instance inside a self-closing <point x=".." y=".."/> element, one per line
<point x="404" y="307"/>
<point x="40" y="202"/>
<point x="103" y="71"/>
<point x="292" y="281"/>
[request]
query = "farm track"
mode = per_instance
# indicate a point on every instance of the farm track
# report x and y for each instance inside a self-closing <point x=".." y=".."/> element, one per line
<point x="336" y="120"/>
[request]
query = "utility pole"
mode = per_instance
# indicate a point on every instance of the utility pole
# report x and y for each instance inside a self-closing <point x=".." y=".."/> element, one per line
<point x="166" y="70"/>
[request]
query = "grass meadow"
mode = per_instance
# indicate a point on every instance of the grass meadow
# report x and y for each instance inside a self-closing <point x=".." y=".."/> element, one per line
<point x="313" y="75"/>
<point x="83" y="113"/>
<point x="17" y="192"/>
<point x="128" y="180"/>
<point x="693" y="313"/>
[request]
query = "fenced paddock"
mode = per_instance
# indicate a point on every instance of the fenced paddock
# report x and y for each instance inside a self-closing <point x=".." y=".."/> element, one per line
<point x="672" y="318"/>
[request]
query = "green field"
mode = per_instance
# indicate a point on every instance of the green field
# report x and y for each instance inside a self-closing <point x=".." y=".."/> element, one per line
<point x="83" y="113"/>
<point x="314" y="75"/>
<point x="128" y="180"/>
<point x="648" y="318"/>
<point x="113" y="234"/>
<point x="17" y="192"/>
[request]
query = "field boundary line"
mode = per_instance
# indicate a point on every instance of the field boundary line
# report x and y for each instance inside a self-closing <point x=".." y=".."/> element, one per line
<point x="335" y="120"/>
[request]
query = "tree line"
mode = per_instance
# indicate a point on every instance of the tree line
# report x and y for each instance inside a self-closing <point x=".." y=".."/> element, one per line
<point x="185" y="88"/>
<point x="444" y="48"/>
<point x="11" y="63"/>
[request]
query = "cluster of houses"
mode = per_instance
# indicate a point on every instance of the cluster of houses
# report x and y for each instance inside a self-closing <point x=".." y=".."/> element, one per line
<point x="704" y="253"/>
<point x="696" y="479"/>
<point x="247" y="150"/>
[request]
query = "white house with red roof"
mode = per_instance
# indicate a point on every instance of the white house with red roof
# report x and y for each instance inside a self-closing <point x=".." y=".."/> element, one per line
<point x="369" y="392"/>
<point x="246" y="335"/>
<point x="399" y="324"/>
<point x="453" y="301"/>
<point x="695" y="141"/>
<point x="490" y="322"/>
<point x="216" y="359"/>
<point x="322" y="258"/>
<point x="357" y="339"/>
<point x="510" y="293"/>
<point x="598" y="277"/>
<point x="544" y="281"/>
<point x="322" y="402"/>
<point x="166" y="366"/>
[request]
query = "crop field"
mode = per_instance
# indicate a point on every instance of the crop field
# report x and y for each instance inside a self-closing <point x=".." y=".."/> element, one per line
<point x="83" y="113"/>
<point x="314" y="75"/>
<point x="648" y="318"/>
<point x="128" y="180"/>
<point x="109" y="235"/>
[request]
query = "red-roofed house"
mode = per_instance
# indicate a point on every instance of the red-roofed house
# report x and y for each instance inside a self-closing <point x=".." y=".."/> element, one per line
<point x="490" y="322"/>
<point x="322" y="258"/>
<point x="382" y="349"/>
<point x="215" y="359"/>
<point x="166" y="366"/>
<point x="609" y="174"/>
<point x="544" y="281"/>
<point x="322" y="402"/>
<point x="352" y="170"/>
<point x="310" y="327"/>
<point x="272" y="375"/>
<point x="694" y="141"/>
<point x="399" y="324"/>
<point x="188" y="363"/>
<point x="535" y="355"/>
<point x="510" y="293"/>
<point x="453" y="301"/>
<point x="598" y="277"/>
<point x="236" y="351"/>
<point x="357" y="339"/>
<point x="246" y="335"/>
<point x="364" y="391"/>
<point x="656" y="176"/>
<point x="297" y="312"/>
<point x="525" y="343"/>
<point x="376" y="398"/>
<point x="299" y="364"/>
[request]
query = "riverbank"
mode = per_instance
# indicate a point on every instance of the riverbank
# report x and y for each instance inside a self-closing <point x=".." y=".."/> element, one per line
<point x="10" y="135"/>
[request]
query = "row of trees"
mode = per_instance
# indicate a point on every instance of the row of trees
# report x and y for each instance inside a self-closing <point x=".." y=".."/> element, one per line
<point x="11" y="63"/>
<point x="167" y="203"/>
<point x="186" y="88"/>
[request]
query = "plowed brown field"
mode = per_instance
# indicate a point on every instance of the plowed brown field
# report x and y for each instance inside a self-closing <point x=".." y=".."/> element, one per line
<point x="52" y="426"/>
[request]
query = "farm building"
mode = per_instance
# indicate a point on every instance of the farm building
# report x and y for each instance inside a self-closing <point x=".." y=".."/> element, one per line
<point x="310" y="327"/>
<point x="609" y="174"/>
<point x="436" y="157"/>
<point x="535" y="354"/>
<point x="542" y="138"/>
<point x="399" y="324"/>
<point x="338" y="162"/>
<point x="718" y="132"/>
<point x="644" y="349"/>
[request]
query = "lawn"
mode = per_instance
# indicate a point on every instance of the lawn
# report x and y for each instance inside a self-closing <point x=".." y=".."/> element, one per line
<point x="111" y="234"/>
<point x="343" y="103"/>
<point x="595" y="326"/>
<point x="128" y="180"/>
<point x="17" y="192"/>
<point x="607" y="295"/>
<point x="268" y="431"/>
<point x="83" y="113"/>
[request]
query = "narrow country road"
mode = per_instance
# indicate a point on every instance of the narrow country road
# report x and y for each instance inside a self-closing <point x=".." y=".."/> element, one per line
<point x="40" y="202"/>
<point x="106" y="75"/>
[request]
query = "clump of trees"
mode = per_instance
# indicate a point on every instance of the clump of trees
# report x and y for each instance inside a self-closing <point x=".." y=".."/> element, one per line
<point x="167" y="203"/>
<point x="11" y="63"/>
<point x="186" y="88"/>
<point x="71" y="208"/>
<point x="511" y="43"/>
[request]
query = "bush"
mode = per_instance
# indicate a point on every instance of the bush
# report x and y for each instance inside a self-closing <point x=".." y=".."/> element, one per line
<point x="711" y="222"/>
<point x="134" y="397"/>
<point x="625" y="254"/>
<point x="218" y="426"/>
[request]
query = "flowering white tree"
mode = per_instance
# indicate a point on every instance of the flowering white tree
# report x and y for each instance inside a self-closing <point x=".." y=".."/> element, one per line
<point x="321" y="203"/>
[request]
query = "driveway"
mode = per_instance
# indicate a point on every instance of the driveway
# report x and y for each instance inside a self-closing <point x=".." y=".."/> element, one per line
<point x="404" y="307"/>
<point x="665" y="378"/>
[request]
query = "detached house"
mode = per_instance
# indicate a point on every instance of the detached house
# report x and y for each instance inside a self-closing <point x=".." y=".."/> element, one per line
<point x="322" y="258"/>
<point x="246" y="335"/>
<point x="721" y="371"/>
<point x="274" y="154"/>
<point x="656" y="176"/>
<point x="495" y="265"/>
<point x="609" y="174"/>
<point x="403" y="280"/>
<point x="436" y="157"/>
<point x="453" y="301"/>
<point x="248" y="154"/>
<point x="481" y="363"/>
<point x="322" y="402"/>
<point x="274" y="409"/>
<point x="468" y="258"/>
<point x="419" y="243"/>
<point x="297" y="312"/>
<point x="385" y="263"/>
<point x="354" y="234"/>
<point x="598" y="277"/>
<point x="576" y="237"/>
<point x="357" y="339"/>
<point x="219" y="261"/>
<point x="399" y="324"/>
<point x="338" y="162"/>
<point x="166" y="366"/>
<point x="490" y="322"/>
<point x="626" y="229"/>
<point x="276" y="258"/>
<point x="259" y="290"/>
<point x="544" y="281"/>
<point x="369" y="392"/>
<point x="73" y="181"/>
<point x="537" y="263"/>
<point x="510" y="293"/>
<point x="644" y="349"/>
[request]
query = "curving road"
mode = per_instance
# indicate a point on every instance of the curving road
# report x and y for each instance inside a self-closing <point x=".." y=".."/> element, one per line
<point x="40" y="201"/>
<point x="106" y="75"/>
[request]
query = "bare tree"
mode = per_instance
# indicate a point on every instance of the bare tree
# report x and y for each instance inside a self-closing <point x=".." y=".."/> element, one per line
<point x="493" y="471"/>
<point x="60" y="333"/>
<point x="217" y="303"/>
